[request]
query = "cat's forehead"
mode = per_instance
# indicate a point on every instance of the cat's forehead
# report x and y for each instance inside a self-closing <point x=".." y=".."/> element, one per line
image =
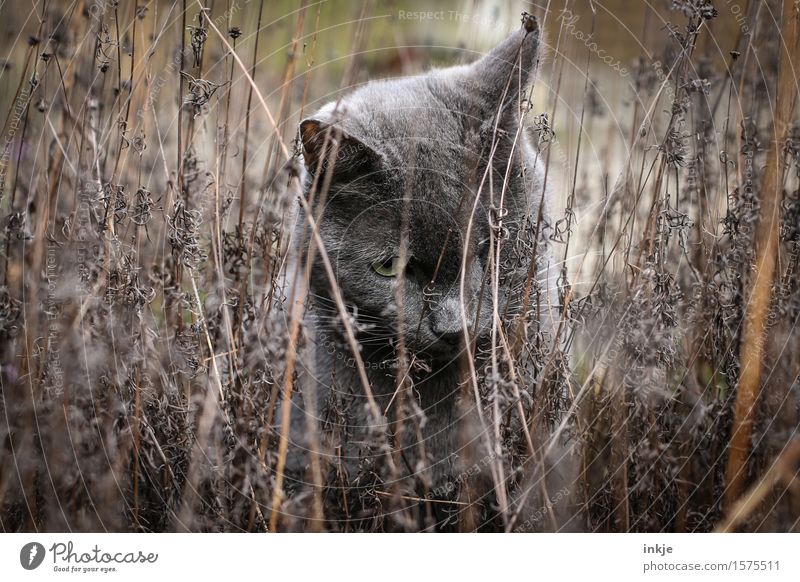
<point x="408" y="120"/>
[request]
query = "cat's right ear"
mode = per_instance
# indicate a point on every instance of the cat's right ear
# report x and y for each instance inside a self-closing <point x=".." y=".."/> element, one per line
<point x="503" y="74"/>
<point x="327" y="146"/>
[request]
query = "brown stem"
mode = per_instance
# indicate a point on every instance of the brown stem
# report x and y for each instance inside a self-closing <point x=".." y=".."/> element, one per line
<point x="766" y="244"/>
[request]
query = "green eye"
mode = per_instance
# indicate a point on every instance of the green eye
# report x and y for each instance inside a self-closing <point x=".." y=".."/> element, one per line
<point x="387" y="267"/>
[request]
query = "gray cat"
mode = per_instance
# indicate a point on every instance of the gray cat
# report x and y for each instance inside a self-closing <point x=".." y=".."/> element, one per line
<point x="392" y="173"/>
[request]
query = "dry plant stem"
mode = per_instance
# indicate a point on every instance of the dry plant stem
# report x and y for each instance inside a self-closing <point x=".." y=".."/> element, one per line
<point x="496" y="467"/>
<point x="248" y="108"/>
<point x="177" y="271"/>
<point x="286" y="400"/>
<point x="493" y="447"/>
<point x="350" y="336"/>
<point x="294" y="326"/>
<point x="620" y="182"/>
<point x="740" y="113"/>
<point x="286" y="85"/>
<point x="783" y="470"/>
<point x="568" y="295"/>
<point x="22" y="80"/>
<point x="269" y="269"/>
<point x="299" y="290"/>
<point x="216" y="239"/>
<point x="179" y="177"/>
<point x="318" y="246"/>
<point x="403" y="385"/>
<point x="271" y="152"/>
<point x="315" y="233"/>
<point x="210" y="404"/>
<point x="136" y="428"/>
<point x="250" y="80"/>
<point x="283" y="446"/>
<point x="123" y="122"/>
<point x="295" y="317"/>
<point x="317" y="523"/>
<point x="766" y="240"/>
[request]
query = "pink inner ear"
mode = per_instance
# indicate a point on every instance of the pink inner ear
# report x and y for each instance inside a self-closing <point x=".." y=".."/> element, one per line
<point x="309" y="129"/>
<point x="309" y="133"/>
<point x="321" y="140"/>
<point x="314" y="134"/>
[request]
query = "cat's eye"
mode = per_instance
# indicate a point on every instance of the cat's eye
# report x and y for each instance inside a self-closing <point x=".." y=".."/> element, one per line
<point x="389" y="267"/>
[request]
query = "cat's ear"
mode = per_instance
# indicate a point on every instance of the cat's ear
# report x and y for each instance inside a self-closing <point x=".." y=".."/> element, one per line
<point x="503" y="74"/>
<point x="330" y="146"/>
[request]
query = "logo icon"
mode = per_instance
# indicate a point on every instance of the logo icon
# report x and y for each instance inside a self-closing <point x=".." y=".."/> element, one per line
<point x="31" y="555"/>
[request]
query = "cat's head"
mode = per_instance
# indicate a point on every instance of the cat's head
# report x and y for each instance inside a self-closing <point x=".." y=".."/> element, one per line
<point x="393" y="170"/>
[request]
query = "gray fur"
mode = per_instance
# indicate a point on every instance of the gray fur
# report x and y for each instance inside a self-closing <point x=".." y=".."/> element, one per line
<point x="418" y="144"/>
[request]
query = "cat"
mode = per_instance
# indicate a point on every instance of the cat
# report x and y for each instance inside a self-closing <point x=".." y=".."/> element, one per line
<point x="391" y="176"/>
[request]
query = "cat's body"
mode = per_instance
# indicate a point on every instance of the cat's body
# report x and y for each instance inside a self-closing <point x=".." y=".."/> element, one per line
<point x="392" y="173"/>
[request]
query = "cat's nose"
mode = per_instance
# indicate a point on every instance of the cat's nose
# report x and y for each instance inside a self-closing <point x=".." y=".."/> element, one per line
<point x="448" y="330"/>
<point x="446" y="322"/>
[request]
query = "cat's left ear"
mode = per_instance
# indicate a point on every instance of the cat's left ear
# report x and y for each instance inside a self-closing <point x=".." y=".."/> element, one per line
<point x="330" y="145"/>
<point x="503" y="74"/>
